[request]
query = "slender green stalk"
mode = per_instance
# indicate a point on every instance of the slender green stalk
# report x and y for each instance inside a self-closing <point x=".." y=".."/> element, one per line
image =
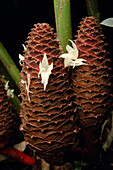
<point x="92" y="9"/>
<point x="9" y="65"/>
<point x="63" y="22"/>
<point x="16" y="103"/>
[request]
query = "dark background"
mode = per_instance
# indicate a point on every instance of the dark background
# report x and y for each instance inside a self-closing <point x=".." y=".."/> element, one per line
<point x="18" y="16"/>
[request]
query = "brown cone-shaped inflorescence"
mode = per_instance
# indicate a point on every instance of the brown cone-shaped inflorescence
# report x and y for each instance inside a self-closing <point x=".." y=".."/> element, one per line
<point x="48" y="122"/>
<point x="6" y="117"/>
<point x="92" y="82"/>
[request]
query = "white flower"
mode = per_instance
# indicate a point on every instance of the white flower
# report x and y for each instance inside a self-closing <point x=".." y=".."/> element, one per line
<point x="45" y="70"/>
<point x="71" y="58"/>
<point x="21" y="58"/>
<point x="27" y="85"/>
<point x="6" y="85"/>
<point x="9" y="91"/>
<point x="24" y="46"/>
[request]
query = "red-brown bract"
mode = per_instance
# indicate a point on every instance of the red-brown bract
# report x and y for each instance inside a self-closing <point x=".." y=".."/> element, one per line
<point x="92" y="84"/>
<point x="78" y="98"/>
<point x="48" y="121"/>
<point x="6" y="118"/>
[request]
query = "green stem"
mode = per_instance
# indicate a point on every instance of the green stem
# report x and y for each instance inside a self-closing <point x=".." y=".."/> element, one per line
<point x="92" y="9"/>
<point x="4" y="72"/>
<point x="63" y="22"/>
<point x="15" y="101"/>
<point x="9" y="65"/>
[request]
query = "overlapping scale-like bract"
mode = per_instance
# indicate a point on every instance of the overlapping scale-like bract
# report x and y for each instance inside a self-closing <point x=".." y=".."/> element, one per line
<point x="6" y="118"/>
<point x="48" y="122"/>
<point x="92" y="83"/>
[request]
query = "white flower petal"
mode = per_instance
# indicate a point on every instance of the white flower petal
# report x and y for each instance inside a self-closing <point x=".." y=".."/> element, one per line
<point x="45" y="70"/>
<point x="64" y="55"/>
<point x="10" y="93"/>
<point x="71" y="58"/>
<point x="67" y="61"/>
<point x="44" y="63"/>
<point x="80" y="64"/>
<point x="22" y="81"/>
<point x="73" y="45"/>
<point x="27" y="86"/>
<point x="40" y="67"/>
<point x="24" y="46"/>
<point x="46" y="80"/>
<point x="21" y="58"/>
<point x="6" y="85"/>
<point x="80" y="59"/>
<point x="50" y="67"/>
<point x="75" y="48"/>
<point x="77" y="63"/>
<point x="68" y="48"/>
<point x="73" y="54"/>
<point x="45" y="77"/>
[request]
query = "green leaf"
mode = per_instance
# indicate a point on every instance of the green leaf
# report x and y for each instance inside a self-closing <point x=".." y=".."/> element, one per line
<point x="9" y="64"/>
<point x="107" y="22"/>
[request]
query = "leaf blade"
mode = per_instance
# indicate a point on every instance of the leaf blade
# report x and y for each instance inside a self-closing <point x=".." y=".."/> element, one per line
<point x="107" y="22"/>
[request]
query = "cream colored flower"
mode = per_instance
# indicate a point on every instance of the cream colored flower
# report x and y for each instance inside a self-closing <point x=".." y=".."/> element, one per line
<point x="21" y="58"/>
<point x="24" y="47"/>
<point x="10" y="92"/>
<point x="71" y="58"/>
<point x="27" y="86"/>
<point x="45" y="70"/>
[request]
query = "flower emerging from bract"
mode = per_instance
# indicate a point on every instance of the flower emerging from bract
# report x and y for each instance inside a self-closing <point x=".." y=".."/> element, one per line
<point x="27" y="86"/>
<point x="45" y="70"/>
<point x="71" y="58"/>
<point x="9" y="91"/>
<point x="21" y="58"/>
